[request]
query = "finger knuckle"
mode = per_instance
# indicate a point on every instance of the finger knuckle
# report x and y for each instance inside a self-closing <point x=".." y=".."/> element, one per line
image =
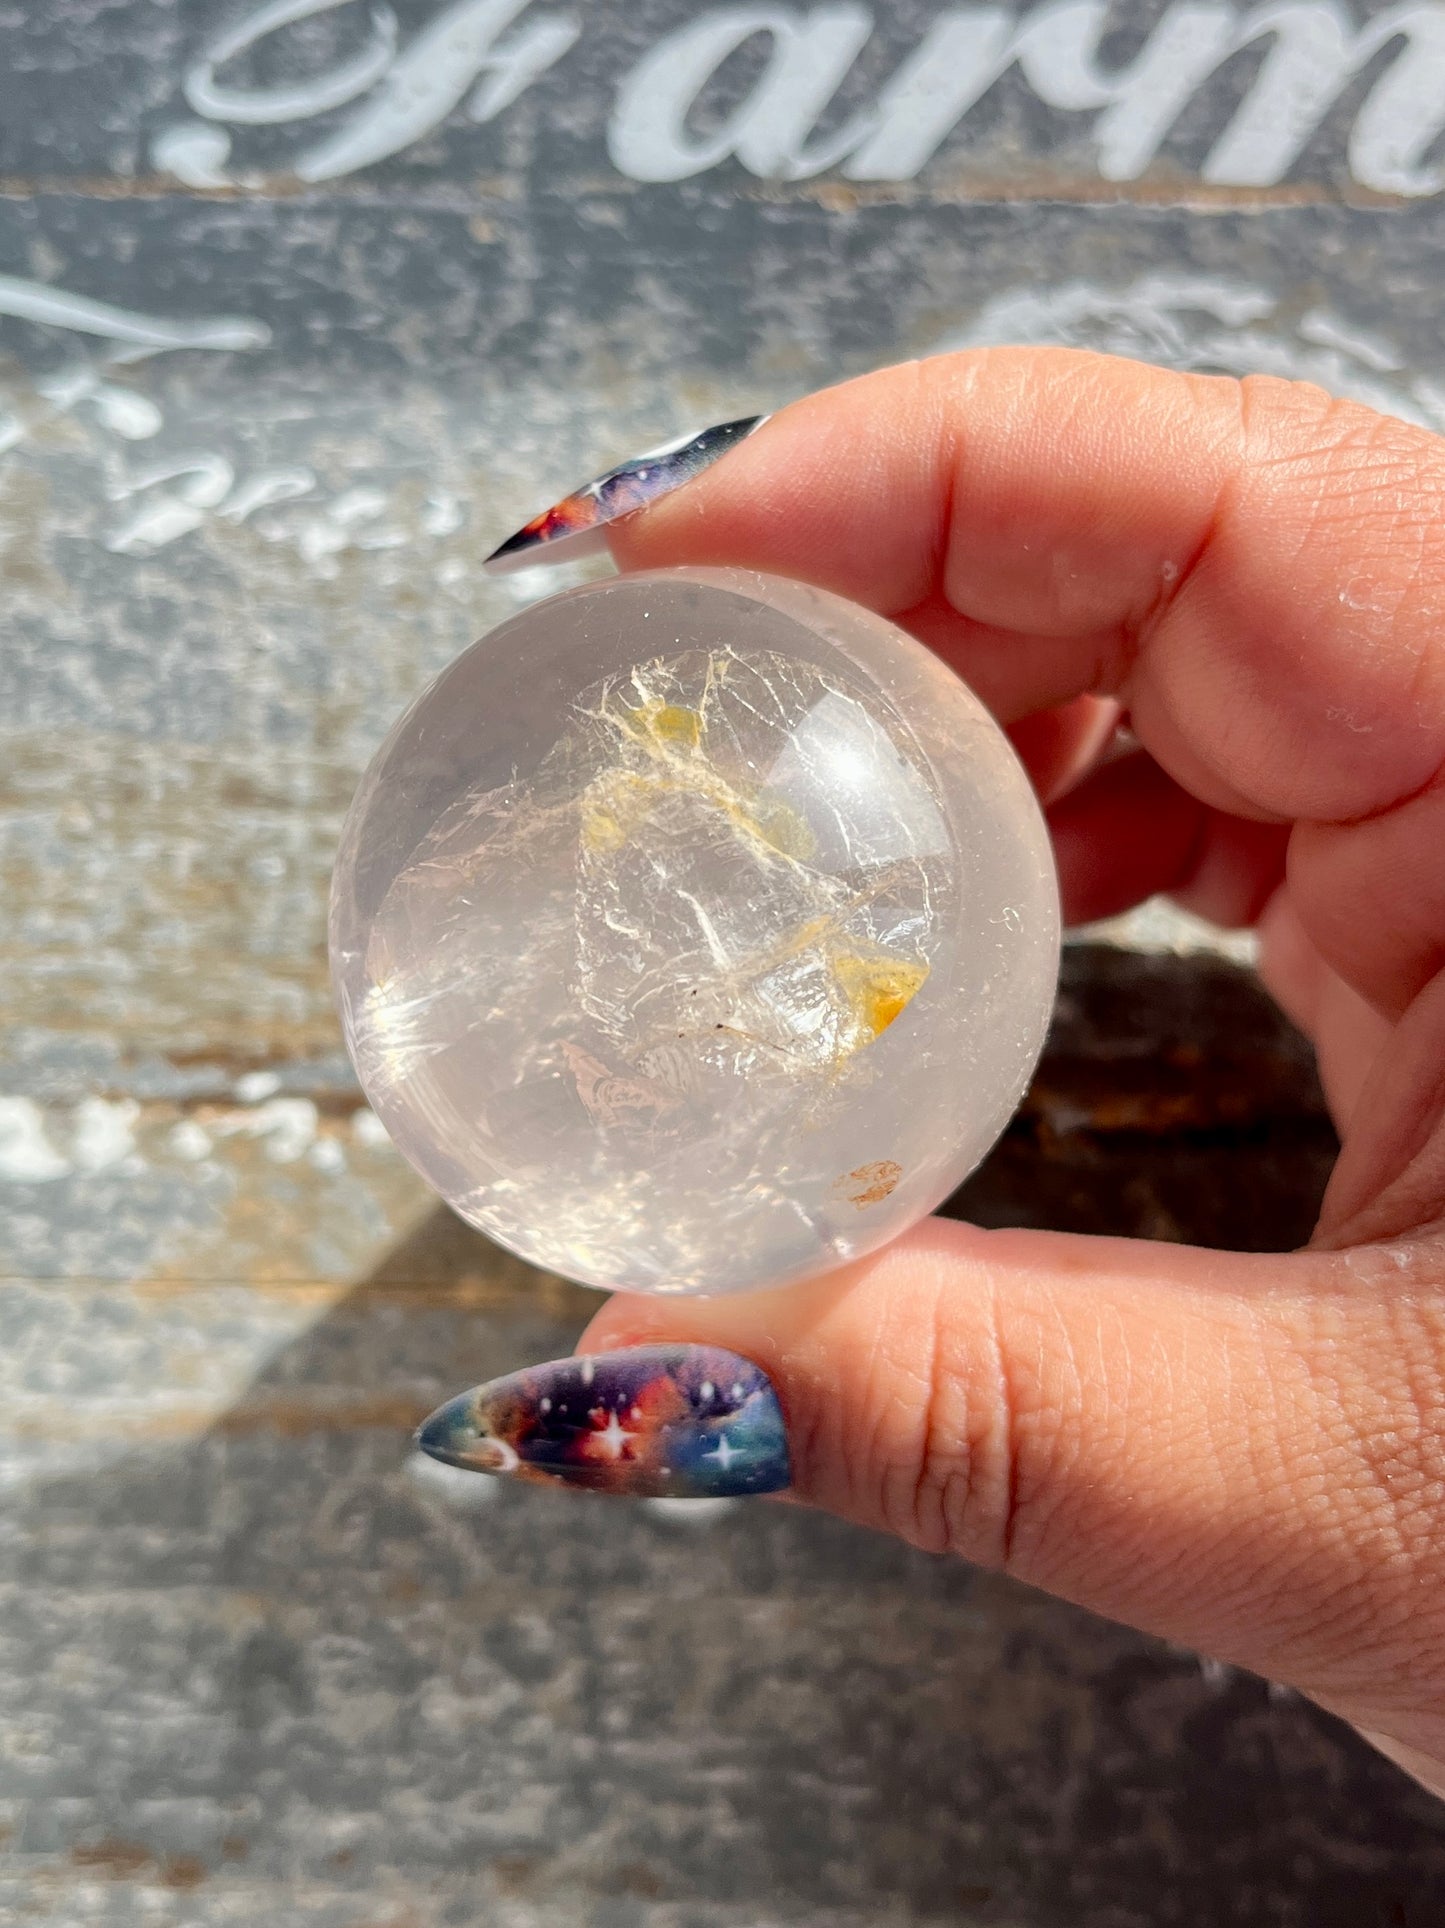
<point x="971" y="1462"/>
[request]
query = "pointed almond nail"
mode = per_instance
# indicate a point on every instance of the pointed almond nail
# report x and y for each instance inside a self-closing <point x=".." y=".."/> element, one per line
<point x="650" y="1422"/>
<point x="573" y="527"/>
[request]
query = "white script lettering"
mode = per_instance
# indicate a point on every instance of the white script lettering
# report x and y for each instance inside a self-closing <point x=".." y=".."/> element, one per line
<point x="414" y="90"/>
<point x="809" y="57"/>
<point x="482" y="55"/>
<point x="1316" y="51"/>
<point x="257" y="107"/>
<point x="434" y="73"/>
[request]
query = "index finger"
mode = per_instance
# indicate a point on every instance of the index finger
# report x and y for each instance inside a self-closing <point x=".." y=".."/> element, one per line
<point x="1257" y="570"/>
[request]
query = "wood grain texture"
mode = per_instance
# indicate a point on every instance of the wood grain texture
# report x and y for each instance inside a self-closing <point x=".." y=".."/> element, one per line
<point x="259" y="1663"/>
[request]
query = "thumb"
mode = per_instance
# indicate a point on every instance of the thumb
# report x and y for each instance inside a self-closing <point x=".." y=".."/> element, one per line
<point x="1227" y="1450"/>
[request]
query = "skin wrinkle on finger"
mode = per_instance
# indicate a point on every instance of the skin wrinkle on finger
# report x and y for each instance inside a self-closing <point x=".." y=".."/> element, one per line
<point x="881" y="1458"/>
<point x="947" y="436"/>
<point x="861" y="1452"/>
<point x="1006" y="1434"/>
<point x="962" y="1461"/>
<point x="911" y="1495"/>
<point x="1043" y="1447"/>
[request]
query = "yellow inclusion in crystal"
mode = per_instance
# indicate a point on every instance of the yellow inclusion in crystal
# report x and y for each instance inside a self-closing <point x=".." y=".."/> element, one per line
<point x="780" y="825"/>
<point x="879" y="988"/>
<point x="669" y="723"/>
<point x="616" y="803"/>
<point x="601" y="831"/>
<point x="613" y="807"/>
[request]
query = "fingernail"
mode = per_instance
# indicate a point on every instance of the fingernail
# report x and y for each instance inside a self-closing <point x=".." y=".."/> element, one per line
<point x="649" y="1422"/>
<point x="573" y="527"/>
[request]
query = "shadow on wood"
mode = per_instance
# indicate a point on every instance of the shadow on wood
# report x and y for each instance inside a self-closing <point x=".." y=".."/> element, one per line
<point x="319" y="1666"/>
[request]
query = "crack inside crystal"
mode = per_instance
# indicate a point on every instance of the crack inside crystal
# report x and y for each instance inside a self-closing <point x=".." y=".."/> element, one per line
<point x="636" y="958"/>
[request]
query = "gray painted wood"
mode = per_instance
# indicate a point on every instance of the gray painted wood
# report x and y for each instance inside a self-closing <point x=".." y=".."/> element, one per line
<point x="257" y="1663"/>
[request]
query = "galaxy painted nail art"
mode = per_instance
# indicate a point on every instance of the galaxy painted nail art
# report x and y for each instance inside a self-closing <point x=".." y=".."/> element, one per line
<point x="573" y="527"/>
<point x="683" y="1422"/>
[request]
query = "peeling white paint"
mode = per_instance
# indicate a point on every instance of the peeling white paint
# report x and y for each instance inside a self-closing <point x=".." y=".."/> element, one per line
<point x="429" y="79"/>
<point x="190" y="1141"/>
<point x="194" y="152"/>
<point x="458" y="1490"/>
<point x="694" y="1512"/>
<point x="255" y="1086"/>
<point x="356" y="505"/>
<point x="441" y="513"/>
<point x="287" y="1124"/>
<point x="343" y="523"/>
<point x="326" y="1155"/>
<point x="259" y="491"/>
<point x="1371" y="351"/>
<point x="1161" y="928"/>
<point x="526" y="585"/>
<point x="263" y="106"/>
<point x="368" y="1130"/>
<point x="103" y="1132"/>
<point x="202" y="482"/>
<point x="135" y="418"/>
<point x="27" y="1156"/>
<point x="35" y="301"/>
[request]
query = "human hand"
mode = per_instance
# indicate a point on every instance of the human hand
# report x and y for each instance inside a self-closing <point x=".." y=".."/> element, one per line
<point x="1245" y="1453"/>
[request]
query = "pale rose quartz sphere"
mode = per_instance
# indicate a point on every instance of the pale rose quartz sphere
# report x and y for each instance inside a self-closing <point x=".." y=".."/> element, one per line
<point x="695" y="931"/>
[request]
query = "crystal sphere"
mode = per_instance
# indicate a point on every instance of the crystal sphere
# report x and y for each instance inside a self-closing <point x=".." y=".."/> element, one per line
<point x="694" y="931"/>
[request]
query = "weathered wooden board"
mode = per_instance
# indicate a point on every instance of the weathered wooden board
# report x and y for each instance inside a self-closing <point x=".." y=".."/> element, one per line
<point x="276" y="374"/>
